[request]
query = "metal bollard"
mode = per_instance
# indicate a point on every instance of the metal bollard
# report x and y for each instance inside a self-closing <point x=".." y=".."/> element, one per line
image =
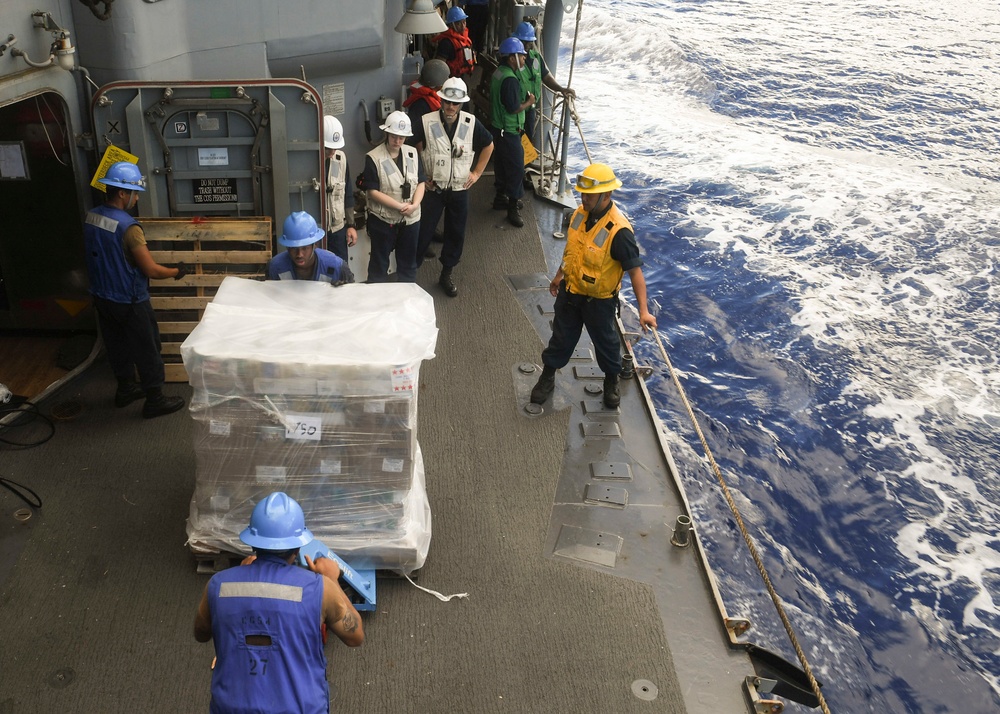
<point x="682" y="532"/>
<point x="628" y="367"/>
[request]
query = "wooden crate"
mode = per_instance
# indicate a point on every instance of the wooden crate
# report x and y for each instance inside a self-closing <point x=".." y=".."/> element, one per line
<point x="212" y="249"/>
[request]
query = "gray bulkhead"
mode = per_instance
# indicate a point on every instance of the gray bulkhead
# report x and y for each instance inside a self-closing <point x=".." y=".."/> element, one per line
<point x="348" y="51"/>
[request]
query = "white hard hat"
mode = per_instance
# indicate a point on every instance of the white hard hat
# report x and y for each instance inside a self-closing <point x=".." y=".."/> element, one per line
<point x="333" y="133"/>
<point x="397" y="123"/>
<point x="454" y="90"/>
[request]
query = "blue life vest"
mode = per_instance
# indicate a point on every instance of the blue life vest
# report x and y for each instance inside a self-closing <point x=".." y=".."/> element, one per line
<point x="271" y="601"/>
<point x="112" y="277"/>
<point x="328" y="267"/>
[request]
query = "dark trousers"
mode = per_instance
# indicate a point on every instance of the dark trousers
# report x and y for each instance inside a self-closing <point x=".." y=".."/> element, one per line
<point x="455" y="206"/>
<point x="336" y="242"/>
<point x="132" y="339"/>
<point x="479" y="16"/>
<point x="572" y="314"/>
<point x="533" y="132"/>
<point x="508" y="163"/>
<point x="386" y="238"/>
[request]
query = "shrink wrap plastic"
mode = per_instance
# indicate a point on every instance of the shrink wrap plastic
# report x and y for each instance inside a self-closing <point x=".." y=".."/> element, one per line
<point x="312" y="390"/>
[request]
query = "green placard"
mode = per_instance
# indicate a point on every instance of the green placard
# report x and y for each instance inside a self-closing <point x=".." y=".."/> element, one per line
<point x="221" y="93"/>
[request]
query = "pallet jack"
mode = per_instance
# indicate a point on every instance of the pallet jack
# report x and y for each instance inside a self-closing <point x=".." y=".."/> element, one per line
<point x="358" y="585"/>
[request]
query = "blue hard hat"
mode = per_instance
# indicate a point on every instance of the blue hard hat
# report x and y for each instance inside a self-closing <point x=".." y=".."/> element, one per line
<point x="124" y="175"/>
<point x="455" y="14"/>
<point x="525" y="32"/>
<point x="512" y="46"/>
<point x="277" y="523"/>
<point x="300" y="229"/>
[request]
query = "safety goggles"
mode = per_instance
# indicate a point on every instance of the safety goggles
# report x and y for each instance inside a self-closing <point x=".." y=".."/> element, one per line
<point x="454" y="95"/>
<point x="587" y="183"/>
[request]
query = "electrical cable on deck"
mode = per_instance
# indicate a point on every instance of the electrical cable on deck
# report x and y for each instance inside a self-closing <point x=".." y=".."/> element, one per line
<point x="746" y="535"/>
<point x="10" y="486"/>
<point x="28" y="409"/>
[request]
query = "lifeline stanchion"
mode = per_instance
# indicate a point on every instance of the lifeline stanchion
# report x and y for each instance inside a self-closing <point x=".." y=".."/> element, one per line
<point x="746" y="535"/>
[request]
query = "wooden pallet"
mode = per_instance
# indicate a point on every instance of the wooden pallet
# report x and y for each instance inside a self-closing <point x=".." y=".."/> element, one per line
<point x="212" y="249"/>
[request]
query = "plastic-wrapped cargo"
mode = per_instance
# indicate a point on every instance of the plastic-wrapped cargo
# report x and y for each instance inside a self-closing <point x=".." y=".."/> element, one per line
<point x="312" y="390"/>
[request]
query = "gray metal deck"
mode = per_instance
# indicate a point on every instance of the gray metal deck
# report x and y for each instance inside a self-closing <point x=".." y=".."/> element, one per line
<point x="98" y="591"/>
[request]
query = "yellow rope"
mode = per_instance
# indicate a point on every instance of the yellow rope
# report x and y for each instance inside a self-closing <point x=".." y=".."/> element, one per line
<point x="746" y="536"/>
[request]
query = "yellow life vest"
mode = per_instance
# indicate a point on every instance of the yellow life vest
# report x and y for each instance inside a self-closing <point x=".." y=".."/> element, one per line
<point x="587" y="263"/>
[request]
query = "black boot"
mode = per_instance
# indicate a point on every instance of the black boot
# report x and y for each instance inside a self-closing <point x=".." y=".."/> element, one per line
<point x="500" y="202"/>
<point x="544" y="386"/>
<point x="513" y="214"/>
<point x="612" y="397"/>
<point x="127" y="393"/>
<point x="445" y="282"/>
<point x="158" y="404"/>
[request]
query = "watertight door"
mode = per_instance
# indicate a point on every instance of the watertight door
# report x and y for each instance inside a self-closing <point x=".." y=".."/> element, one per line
<point x="218" y="148"/>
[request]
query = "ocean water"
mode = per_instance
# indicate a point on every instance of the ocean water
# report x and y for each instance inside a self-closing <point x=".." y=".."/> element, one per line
<point x="815" y="187"/>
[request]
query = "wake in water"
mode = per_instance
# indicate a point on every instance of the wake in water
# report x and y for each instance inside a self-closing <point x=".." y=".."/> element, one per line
<point x="813" y="185"/>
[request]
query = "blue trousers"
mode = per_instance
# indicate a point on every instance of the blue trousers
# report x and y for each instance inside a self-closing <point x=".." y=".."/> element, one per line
<point x="572" y="314"/>
<point x="508" y="163"/>
<point x="455" y="206"/>
<point x="132" y="339"/>
<point x="386" y="238"/>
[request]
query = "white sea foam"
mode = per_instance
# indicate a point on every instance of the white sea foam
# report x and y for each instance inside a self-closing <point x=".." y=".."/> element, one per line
<point x="882" y="223"/>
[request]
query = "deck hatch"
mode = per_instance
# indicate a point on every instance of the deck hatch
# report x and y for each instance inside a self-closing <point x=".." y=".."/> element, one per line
<point x="528" y="282"/>
<point x="611" y="471"/>
<point x="601" y="430"/>
<point x="602" y="495"/>
<point x="595" y="409"/>
<point x="590" y="546"/>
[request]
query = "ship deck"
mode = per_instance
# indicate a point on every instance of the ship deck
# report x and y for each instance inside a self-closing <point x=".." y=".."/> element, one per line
<point x="98" y="590"/>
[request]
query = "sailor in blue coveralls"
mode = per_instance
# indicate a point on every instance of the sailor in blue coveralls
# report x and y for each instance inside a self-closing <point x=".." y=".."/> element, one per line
<point x="268" y="618"/>
<point x="303" y="260"/>
<point x="120" y="265"/>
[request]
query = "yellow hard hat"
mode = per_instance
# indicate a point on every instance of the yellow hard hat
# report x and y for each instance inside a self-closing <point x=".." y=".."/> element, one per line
<point x="597" y="178"/>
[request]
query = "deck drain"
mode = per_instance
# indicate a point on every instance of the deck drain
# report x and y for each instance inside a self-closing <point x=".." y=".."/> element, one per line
<point x="593" y="389"/>
<point x="533" y="409"/>
<point x="526" y="368"/>
<point x="645" y="690"/>
<point x="22" y="514"/>
<point x="61" y="678"/>
<point x="67" y="411"/>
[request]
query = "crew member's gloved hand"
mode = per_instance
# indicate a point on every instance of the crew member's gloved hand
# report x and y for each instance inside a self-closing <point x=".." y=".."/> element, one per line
<point x="346" y="276"/>
<point x="181" y="271"/>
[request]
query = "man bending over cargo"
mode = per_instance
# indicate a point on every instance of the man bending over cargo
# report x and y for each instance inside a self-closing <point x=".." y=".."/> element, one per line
<point x="269" y="618"/>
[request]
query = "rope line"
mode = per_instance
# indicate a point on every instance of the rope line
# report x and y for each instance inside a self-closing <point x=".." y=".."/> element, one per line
<point x="746" y="535"/>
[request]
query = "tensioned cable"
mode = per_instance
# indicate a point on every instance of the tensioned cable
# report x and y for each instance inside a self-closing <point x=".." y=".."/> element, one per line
<point x="746" y="535"/>
<point x="568" y="103"/>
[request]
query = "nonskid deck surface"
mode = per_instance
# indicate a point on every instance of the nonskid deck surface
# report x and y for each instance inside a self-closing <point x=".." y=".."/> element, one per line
<point x="98" y="591"/>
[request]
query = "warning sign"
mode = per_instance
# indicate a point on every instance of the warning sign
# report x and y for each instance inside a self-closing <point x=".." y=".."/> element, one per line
<point x="215" y="190"/>
<point x="112" y="155"/>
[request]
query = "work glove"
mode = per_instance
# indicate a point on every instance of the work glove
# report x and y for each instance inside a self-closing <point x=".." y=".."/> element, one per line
<point x="181" y="271"/>
<point x="346" y="276"/>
